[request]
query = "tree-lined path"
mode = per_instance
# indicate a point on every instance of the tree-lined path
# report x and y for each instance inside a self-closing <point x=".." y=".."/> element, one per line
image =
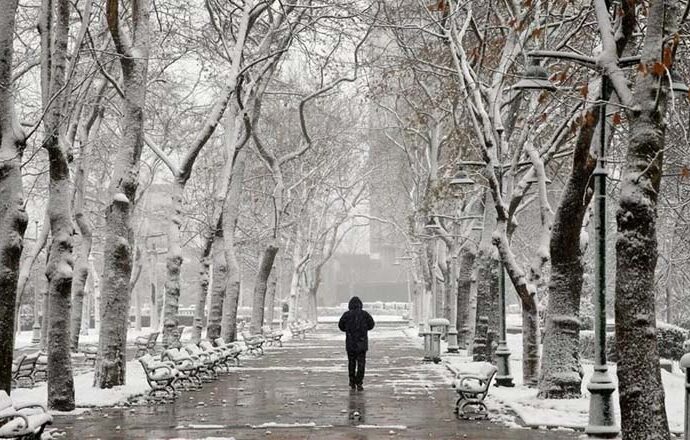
<point x="305" y="385"/>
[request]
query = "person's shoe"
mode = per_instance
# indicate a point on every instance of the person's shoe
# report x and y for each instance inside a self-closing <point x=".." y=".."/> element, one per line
<point x="353" y="386"/>
<point x="360" y="387"/>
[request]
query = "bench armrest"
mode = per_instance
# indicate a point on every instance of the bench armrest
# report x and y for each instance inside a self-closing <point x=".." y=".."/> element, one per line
<point x="155" y="368"/>
<point x="27" y="405"/>
<point x="8" y="415"/>
<point x="483" y="380"/>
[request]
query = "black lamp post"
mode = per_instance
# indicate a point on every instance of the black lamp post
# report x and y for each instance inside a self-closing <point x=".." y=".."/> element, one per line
<point x="503" y="376"/>
<point x="459" y="180"/>
<point x="602" y="422"/>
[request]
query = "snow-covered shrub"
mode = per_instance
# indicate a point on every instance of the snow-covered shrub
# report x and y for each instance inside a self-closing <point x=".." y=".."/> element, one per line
<point x="670" y="339"/>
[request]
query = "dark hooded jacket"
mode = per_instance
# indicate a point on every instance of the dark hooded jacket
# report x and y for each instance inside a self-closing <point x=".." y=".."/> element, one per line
<point x="356" y="323"/>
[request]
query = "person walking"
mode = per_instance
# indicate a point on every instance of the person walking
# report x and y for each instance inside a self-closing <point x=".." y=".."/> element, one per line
<point x="356" y="323"/>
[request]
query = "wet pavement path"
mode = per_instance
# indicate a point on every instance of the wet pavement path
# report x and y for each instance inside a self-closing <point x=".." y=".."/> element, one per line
<point x="300" y="392"/>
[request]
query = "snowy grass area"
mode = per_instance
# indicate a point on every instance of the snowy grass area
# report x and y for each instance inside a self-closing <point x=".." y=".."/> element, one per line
<point x="568" y="413"/>
<point x="88" y="396"/>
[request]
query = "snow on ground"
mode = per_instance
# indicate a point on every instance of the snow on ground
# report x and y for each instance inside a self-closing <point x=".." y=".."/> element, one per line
<point x="284" y="425"/>
<point x="88" y="396"/>
<point x="568" y="413"/>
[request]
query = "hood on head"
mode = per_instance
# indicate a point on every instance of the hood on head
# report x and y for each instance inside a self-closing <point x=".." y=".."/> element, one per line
<point x="355" y="303"/>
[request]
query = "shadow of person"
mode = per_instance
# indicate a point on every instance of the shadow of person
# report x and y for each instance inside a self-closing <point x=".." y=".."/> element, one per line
<point x="356" y="408"/>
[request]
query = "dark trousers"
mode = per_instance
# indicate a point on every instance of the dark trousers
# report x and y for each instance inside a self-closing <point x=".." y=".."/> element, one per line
<point x="356" y="361"/>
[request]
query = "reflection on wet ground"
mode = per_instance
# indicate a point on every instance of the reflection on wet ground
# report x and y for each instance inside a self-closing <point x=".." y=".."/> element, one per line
<point x="301" y="392"/>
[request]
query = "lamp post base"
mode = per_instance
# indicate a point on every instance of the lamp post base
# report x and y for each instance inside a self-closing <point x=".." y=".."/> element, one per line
<point x="36" y="334"/>
<point x="453" y="340"/>
<point x="503" y="376"/>
<point x="602" y="422"/>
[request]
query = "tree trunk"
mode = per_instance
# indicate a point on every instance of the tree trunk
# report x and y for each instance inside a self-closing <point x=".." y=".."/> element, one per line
<point x="437" y="289"/>
<point x="295" y="274"/>
<point x="230" y="214"/>
<point x="136" y="298"/>
<point x="447" y="288"/>
<point x="561" y="371"/>
<point x="59" y="268"/>
<point x="220" y="274"/>
<point x="173" y="264"/>
<point x="202" y="294"/>
<point x="87" y="307"/>
<point x="153" y="289"/>
<point x="428" y="292"/>
<point x="96" y="297"/>
<point x="45" y="300"/>
<point x="79" y="281"/>
<point x="13" y="218"/>
<point x="59" y="273"/>
<point x="117" y="267"/>
<point x="27" y="265"/>
<point x="530" y="340"/>
<point x="312" y="302"/>
<point x="466" y="259"/>
<point x="271" y="297"/>
<point x="641" y="392"/>
<point x="232" y="298"/>
<point x="259" y="297"/>
<point x="471" y="318"/>
<point x="487" y="297"/>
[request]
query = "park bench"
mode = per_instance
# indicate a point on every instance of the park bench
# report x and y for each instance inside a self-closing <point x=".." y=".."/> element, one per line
<point x="90" y="353"/>
<point x="41" y="371"/>
<point x="222" y="355"/>
<point x="208" y="369"/>
<point x="254" y="343"/>
<point x="146" y="344"/>
<point x="298" y="330"/>
<point x="231" y="351"/>
<point x="161" y="376"/>
<point x="310" y="326"/>
<point x="22" y="420"/>
<point x="272" y="336"/>
<point x="234" y="349"/>
<point x="472" y="388"/>
<point x="26" y="368"/>
<point x="187" y="367"/>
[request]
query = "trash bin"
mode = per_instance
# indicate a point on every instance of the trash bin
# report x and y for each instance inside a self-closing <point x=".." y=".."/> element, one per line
<point x="435" y="348"/>
<point x="439" y="325"/>
<point x="427" y="345"/>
